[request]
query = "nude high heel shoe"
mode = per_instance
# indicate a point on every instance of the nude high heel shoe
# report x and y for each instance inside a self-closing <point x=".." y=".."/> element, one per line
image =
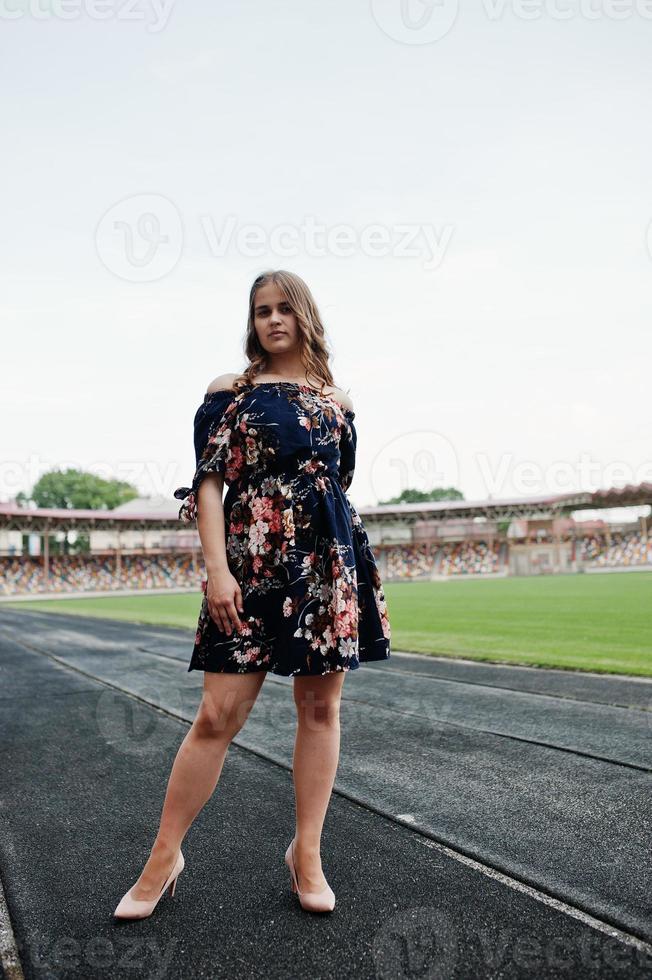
<point x="323" y="901"/>
<point x="133" y="908"/>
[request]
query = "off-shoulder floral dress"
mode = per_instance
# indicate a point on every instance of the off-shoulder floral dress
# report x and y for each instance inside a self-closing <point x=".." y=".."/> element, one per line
<point x="312" y="594"/>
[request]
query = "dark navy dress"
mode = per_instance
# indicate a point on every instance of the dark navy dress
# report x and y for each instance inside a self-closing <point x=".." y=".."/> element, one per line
<point x="312" y="594"/>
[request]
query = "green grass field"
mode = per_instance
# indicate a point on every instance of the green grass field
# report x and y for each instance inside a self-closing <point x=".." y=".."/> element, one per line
<point x="582" y="622"/>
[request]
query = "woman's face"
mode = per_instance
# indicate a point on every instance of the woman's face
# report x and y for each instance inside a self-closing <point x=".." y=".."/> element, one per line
<point x="275" y="323"/>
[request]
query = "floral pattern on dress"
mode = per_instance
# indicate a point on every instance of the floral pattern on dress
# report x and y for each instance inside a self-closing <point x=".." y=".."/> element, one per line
<point x="261" y="534"/>
<point x="312" y="592"/>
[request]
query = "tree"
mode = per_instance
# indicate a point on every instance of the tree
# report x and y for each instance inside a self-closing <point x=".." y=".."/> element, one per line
<point x="75" y="490"/>
<point x="411" y="496"/>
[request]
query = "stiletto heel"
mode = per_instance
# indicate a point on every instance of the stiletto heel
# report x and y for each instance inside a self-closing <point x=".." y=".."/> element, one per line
<point x="323" y="901"/>
<point x="133" y="908"/>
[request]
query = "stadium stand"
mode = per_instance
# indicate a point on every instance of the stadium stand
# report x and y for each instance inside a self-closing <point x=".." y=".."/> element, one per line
<point x="468" y="558"/>
<point x="410" y="561"/>
<point x="625" y="550"/>
<point x="91" y="573"/>
<point x="141" y="546"/>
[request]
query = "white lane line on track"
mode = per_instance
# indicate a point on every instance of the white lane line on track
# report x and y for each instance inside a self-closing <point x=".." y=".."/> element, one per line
<point x="539" y="896"/>
<point x="9" y="958"/>
<point x="427" y="675"/>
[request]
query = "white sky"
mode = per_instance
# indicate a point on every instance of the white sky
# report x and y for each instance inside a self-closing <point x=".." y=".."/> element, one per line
<point x="514" y="363"/>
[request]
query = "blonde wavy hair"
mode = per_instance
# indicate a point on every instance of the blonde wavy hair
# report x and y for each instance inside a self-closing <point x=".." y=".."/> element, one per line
<point x="314" y="350"/>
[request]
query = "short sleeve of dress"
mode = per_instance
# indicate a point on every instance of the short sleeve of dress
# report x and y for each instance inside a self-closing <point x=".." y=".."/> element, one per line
<point x="211" y="433"/>
<point x="348" y="443"/>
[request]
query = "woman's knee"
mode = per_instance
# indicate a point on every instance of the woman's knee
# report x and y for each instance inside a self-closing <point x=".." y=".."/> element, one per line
<point x="317" y="708"/>
<point x="207" y="725"/>
<point x="221" y="717"/>
<point x="226" y="703"/>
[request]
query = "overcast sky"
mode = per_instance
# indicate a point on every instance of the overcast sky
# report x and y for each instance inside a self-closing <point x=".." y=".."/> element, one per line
<point x="467" y="191"/>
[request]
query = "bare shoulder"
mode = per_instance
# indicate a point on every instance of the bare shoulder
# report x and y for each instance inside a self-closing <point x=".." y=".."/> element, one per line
<point x="343" y="398"/>
<point x="223" y="381"/>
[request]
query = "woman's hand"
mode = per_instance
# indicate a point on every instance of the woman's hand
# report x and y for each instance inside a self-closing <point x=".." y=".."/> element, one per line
<point x="224" y="600"/>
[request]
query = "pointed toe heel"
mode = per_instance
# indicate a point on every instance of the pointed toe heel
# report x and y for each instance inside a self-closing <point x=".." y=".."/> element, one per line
<point x="133" y="908"/>
<point x="323" y="901"/>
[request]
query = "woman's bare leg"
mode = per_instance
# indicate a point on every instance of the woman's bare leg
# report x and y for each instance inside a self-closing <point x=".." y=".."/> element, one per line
<point x="316" y="755"/>
<point x="226" y="703"/>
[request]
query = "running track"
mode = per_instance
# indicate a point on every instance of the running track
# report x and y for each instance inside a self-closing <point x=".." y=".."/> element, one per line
<point x="486" y="821"/>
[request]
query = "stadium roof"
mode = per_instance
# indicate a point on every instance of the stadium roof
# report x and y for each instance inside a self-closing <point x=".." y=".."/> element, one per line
<point x="41" y="519"/>
<point x="52" y="519"/>
<point x="541" y="506"/>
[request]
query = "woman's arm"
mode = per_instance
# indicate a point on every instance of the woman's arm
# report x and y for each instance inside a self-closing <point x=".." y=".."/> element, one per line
<point x="222" y="590"/>
<point x="210" y="522"/>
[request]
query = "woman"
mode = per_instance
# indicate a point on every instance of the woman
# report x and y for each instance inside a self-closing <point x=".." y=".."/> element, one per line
<point x="292" y="585"/>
